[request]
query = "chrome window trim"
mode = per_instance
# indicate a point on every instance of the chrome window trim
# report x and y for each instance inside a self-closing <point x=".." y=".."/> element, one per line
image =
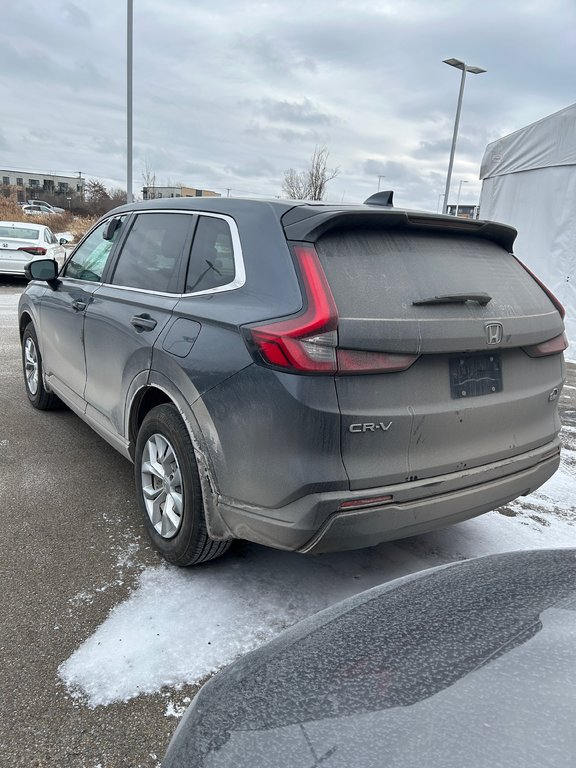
<point x="240" y="276"/>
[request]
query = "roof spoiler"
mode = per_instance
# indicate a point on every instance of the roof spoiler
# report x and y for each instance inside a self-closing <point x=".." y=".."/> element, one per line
<point x="381" y="198"/>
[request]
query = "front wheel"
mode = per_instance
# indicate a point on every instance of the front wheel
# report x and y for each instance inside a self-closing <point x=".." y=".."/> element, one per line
<point x="169" y="492"/>
<point x="32" y="369"/>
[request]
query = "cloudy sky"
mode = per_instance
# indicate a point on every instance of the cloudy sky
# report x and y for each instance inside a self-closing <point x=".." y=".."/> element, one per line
<point x="230" y="94"/>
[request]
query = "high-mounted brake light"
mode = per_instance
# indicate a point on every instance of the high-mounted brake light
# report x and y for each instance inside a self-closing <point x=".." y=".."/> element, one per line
<point x="308" y="343"/>
<point x="546" y="290"/>
<point x="34" y="250"/>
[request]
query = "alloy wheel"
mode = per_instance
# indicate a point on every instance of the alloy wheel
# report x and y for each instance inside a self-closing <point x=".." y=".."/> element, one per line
<point x="162" y="486"/>
<point x="31" y="367"/>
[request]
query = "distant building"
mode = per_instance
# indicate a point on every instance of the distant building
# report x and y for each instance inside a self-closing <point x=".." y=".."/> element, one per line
<point x="464" y="211"/>
<point x="154" y="193"/>
<point x="27" y="185"/>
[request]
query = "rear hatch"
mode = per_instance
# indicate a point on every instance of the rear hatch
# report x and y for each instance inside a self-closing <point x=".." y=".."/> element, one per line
<point x="471" y="314"/>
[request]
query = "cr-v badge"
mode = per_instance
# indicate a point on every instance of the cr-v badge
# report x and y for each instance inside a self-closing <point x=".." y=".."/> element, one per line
<point x="370" y="426"/>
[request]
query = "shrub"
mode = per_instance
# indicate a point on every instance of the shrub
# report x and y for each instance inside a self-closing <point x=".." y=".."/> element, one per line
<point x="61" y="222"/>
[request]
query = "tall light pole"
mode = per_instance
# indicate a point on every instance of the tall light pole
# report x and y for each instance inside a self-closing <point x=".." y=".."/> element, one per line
<point x="462" y="181"/>
<point x="379" y="180"/>
<point x="475" y="71"/>
<point x="129" y="35"/>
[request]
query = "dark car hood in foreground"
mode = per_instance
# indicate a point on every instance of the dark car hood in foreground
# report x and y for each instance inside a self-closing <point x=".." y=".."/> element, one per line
<point x="472" y="664"/>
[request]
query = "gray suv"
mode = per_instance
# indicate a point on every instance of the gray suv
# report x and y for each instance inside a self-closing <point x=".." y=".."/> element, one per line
<point x="311" y="377"/>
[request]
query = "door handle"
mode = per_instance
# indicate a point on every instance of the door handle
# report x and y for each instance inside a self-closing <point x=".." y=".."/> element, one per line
<point x="79" y="305"/>
<point x="143" y="322"/>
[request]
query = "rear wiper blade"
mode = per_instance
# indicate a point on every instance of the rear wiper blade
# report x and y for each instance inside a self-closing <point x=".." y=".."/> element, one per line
<point x="455" y="298"/>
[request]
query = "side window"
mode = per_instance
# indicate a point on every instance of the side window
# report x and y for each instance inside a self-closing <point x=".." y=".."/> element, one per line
<point x="90" y="258"/>
<point x="212" y="259"/>
<point x="153" y="250"/>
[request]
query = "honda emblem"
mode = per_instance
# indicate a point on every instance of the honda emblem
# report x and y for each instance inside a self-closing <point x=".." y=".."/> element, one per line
<point x="494" y="333"/>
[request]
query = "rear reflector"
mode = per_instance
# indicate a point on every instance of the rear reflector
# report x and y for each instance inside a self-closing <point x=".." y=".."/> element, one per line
<point x="551" y="347"/>
<point x="370" y="502"/>
<point x="308" y="343"/>
<point x="356" y="361"/>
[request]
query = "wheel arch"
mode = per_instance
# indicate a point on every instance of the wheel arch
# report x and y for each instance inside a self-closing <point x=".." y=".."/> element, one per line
<point x="24" y="320"/>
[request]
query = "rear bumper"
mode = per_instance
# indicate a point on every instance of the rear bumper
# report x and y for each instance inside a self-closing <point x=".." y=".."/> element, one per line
<point x="314" y="524"/>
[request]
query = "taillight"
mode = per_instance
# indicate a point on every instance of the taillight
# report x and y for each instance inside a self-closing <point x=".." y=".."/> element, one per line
<point x="34" y="250"/>
<point x="308" y="343"/>
<point x="546" y="290"/>
<point x="551" y="347"/>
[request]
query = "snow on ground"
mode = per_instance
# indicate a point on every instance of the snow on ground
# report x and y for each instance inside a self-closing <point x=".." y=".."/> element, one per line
<point x="179" y="626"/>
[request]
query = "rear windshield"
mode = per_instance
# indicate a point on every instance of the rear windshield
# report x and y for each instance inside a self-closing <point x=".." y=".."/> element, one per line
<point x="379" y="274"/>
<point x="20" y="233"/>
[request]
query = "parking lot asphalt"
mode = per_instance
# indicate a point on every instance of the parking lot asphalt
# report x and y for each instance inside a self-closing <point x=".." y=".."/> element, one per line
<point x="72" y="549"/>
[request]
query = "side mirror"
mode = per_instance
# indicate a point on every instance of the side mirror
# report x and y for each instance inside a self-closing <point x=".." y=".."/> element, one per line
<point x="63" y="241"/>
<point x="109" y="229"/>
<point x="41" y="269"/>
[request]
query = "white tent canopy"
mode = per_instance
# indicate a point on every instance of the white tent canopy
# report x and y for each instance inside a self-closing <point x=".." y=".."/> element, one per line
<point x="529" y="181"/>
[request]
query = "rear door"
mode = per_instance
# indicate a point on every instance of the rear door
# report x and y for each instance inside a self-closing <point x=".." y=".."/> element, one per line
<point x="468" y="309"/>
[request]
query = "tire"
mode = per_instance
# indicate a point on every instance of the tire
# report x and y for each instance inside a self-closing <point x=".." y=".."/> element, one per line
<point x="169" y="492"/>
<point x="33" y="373"/>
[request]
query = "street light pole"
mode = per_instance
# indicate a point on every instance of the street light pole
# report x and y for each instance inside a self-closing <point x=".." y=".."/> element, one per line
<point x="462" y="181"/>
<point x="379" y="180"/>
<point x="475" y="71"/>
<point x="129" y="35"/>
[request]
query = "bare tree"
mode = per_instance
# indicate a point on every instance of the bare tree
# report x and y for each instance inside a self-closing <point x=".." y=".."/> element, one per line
<point x="148" y="179"/>
<point x="95" y="191"/>
<point x="310" y="184"/>
<point x="117" y="196"/>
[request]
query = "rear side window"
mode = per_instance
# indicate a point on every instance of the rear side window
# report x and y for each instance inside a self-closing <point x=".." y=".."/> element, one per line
<point x="212" y="259"/>
<point x="152" y="253"/>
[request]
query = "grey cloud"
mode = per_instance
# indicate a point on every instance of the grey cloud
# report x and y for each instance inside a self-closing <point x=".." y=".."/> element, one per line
<point x="302" y="112"/>
<point x="108" y="146"/>
<point x="391" y="170"/>
<point x="76" y="16"/>
<point x="198" y="169"/>
<point x="285" y="135"/>
<point x="257" y="166"/>
<point x="273" y="55"/>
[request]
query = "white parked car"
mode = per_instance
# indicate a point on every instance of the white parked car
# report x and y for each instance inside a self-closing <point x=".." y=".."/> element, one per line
<point x="21" y="243"/>
<point x="54" y="208"/>
<point x="38" y="210"/>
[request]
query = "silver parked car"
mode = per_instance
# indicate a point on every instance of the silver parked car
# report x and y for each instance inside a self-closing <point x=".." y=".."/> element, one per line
<point x="20" y="242"/>
<point x="307" y="376"/>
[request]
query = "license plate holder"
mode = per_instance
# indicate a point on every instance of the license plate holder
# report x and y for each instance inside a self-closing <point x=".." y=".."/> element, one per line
<point x="475" y="375"/>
